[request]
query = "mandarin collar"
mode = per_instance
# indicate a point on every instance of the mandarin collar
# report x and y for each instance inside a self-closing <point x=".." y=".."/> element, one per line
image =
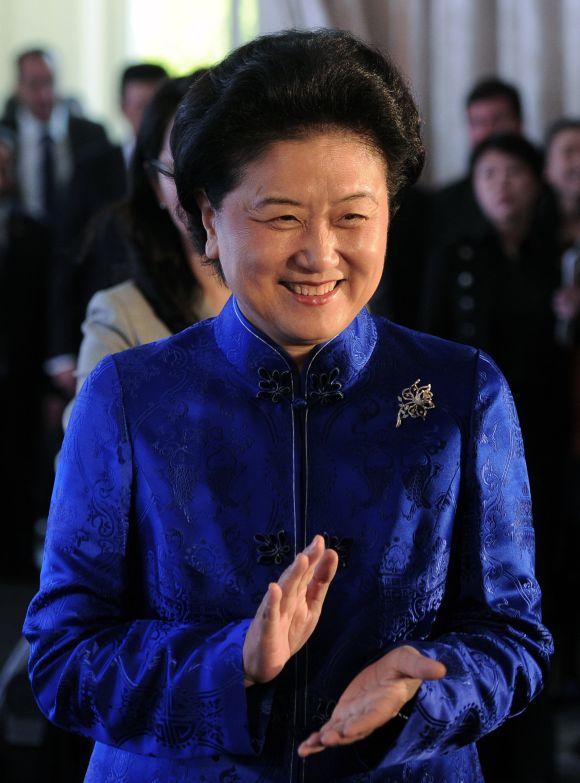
<point x="328" y="372"/>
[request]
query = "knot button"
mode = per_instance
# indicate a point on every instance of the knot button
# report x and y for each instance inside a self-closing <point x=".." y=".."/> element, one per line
<point x="299" y="403"/>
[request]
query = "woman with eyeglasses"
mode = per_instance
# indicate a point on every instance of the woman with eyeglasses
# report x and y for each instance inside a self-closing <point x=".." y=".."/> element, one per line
<point x="165" y="285"/>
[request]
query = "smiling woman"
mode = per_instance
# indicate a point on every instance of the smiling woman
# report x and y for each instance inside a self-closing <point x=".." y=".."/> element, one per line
<point x="302" y="238"/>
<point x="291" y="543"/>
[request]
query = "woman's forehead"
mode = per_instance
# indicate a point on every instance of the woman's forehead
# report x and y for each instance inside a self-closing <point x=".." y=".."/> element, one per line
<point x="501" y="158"/>
<point x="337" y="161"/>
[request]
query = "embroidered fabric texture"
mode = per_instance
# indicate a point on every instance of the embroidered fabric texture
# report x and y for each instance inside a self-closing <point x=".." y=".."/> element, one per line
<point x="179" y="497"/>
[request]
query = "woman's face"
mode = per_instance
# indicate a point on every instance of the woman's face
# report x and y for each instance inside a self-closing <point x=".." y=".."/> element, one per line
<point x="302" y="238"/>
<point x="505" y="187"/>
<point x="164" y="186"/>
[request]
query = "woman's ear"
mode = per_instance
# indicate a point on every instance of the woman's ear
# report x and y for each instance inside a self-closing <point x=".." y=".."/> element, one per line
<point x="208" y="218"/>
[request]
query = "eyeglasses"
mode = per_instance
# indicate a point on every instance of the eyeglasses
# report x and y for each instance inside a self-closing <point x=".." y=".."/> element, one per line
<point x="160" y="167"/>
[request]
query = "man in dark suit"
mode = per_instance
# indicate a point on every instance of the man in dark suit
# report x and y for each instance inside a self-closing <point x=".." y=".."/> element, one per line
<point x="50" y="140"/>
<point x="51" y="146"/>
<point x="492" y="107"/>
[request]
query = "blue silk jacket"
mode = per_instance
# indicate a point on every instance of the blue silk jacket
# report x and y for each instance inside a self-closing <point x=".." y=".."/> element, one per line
<point x="191" y="473"/>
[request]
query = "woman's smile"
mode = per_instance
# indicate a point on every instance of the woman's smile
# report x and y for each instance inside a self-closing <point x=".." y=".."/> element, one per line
<point x="313" y="293"/>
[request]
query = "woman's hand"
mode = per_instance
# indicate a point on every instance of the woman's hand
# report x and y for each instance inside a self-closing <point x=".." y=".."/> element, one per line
<point x="375" y="696"/>
<point x="288" y="613"/>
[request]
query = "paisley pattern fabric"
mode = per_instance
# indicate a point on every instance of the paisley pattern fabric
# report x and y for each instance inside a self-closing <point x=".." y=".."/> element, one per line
<point x="193" y="470"/>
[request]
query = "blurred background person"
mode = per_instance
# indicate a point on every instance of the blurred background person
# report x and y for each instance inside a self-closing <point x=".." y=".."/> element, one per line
<point x="452" y="212"/>
<point x="563" y="174"/>
<point x="50" y="140"/>
<point x="51" y="145"/>
<point x="154" y="282"/>
<point x="139" y="82"/>
<point x="491" y="107"/>
<point x="99" y="181"/>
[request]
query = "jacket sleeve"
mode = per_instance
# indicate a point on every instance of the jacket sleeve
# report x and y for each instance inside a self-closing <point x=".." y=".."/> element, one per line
<point x="489" y="636"/>
<point x="98" y="666"/>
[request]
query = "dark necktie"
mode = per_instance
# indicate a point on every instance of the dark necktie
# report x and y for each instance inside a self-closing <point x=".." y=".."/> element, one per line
<point x="48" y="174"/>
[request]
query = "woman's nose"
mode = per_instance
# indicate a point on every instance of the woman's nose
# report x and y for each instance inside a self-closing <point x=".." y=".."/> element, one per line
<point x="318" y="250"/>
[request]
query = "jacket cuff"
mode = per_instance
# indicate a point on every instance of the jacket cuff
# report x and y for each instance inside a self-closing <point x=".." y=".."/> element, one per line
<point x="247" y="710"/>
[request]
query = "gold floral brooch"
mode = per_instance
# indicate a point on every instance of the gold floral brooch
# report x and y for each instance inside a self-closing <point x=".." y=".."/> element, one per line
<point x="414" y="402"/>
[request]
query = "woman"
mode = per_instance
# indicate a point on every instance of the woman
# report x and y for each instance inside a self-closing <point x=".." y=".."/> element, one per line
<point x="494" y="290"/>
<point x="563" y="174"/>
<point x="282" y="546"/>
<point x="145" y="239"/>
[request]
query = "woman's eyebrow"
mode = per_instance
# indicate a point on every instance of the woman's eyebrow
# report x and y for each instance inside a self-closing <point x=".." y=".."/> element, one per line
<point x="265" y="202"/>
<point x="278" y="200"/>
<point x="354" y="196"/>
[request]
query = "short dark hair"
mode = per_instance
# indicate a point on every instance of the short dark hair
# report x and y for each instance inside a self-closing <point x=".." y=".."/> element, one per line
<point x="511" y="144"/>
<point x="280" y="87"/>
<point x="142" y="72"/>
<point x="45" y="54"/>
<point x="559" y="126"/>
<point x="492" y="87"/>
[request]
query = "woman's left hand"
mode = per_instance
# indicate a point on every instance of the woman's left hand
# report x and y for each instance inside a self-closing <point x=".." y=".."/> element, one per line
<point x="374" y="697"/>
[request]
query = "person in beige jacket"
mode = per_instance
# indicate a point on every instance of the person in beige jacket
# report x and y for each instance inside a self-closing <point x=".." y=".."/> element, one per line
<point x="170" y="287"/>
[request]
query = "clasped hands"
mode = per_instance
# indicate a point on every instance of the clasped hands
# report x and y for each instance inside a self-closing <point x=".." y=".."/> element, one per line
<point x="284" y="622"/>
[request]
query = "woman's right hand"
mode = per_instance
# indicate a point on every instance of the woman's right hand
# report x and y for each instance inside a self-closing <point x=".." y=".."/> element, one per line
<point x="288" y="613"/>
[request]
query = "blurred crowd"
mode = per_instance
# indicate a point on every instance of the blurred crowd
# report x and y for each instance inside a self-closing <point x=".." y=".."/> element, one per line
<point x="94" y="258"/>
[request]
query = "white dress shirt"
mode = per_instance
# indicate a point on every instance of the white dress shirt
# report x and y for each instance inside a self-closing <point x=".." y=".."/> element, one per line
<point x="30" y="132"/>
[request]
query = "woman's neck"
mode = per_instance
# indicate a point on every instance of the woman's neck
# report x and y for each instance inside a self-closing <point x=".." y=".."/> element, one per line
<point x="512" y="234"/>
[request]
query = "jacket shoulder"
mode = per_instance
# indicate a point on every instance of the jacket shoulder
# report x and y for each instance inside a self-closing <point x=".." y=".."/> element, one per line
<point x="188" y="353"/>
<point x="405" y="356"/>
<point x="420" y="345"/>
